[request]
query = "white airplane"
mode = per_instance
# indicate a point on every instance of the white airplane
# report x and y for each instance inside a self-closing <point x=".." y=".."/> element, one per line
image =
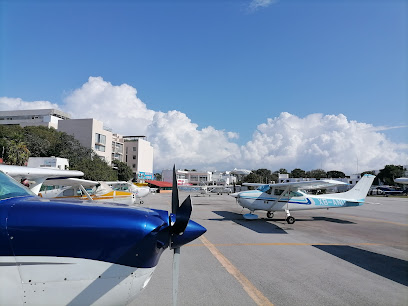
<point x="289" y="196"/>
<point x="80" y="253"/>
<point x="401" y="180"/>
<point x="79" y="189"/>
<point x="139" y="191"/>
<point x="37" y="176"/>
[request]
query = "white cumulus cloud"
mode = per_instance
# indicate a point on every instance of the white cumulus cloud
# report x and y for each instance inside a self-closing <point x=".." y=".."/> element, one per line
<point x="117" y="106"/>
<point x="316" y="141"/>
<point x="18" y="104"/>
<point x="331" y="142"/>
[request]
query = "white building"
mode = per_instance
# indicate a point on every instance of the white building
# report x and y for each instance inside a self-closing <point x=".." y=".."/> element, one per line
<point x="223" y="178"/>
<point x="48" y="162"/>
<point x="91" y="133"/>
<point x="139" y="157"/>
<point x="33" y="117"/>
<point x="186" y="177"/>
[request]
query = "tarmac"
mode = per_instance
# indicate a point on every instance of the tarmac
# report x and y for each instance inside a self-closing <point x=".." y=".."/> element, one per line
<point x="341" y="256"/>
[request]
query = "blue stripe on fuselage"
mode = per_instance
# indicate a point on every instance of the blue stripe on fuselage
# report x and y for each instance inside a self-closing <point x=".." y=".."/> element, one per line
<point x="258" y="195"/>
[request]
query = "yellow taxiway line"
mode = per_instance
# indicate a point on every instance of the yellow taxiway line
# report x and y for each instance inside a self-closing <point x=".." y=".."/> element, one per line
<point x="252" y="291"/>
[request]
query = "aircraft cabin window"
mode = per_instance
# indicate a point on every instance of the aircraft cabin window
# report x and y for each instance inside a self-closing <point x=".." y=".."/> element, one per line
<point x="9" y="188"/>
<point x="68" y="193"/>
<point x="278" y="192"/>
<point x="265" y="188"/>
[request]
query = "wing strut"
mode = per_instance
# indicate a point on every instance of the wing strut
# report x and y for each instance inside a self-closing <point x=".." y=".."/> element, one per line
<point x="85" y="192"/>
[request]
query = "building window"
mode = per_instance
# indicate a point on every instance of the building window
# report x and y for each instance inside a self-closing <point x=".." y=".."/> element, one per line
<point x="134" y="156"/>
<point x="100" y="139"/>
<point x="134" y="166"/>
<point x="99" y="148"/>
<point x="134" y="149"/>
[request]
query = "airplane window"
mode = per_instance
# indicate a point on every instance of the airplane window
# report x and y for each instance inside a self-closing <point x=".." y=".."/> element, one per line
<point x="68" y="193"/>
<point x="10" y="188"/>
<point x="264" y="188"/>
<point x="278" y="191"/>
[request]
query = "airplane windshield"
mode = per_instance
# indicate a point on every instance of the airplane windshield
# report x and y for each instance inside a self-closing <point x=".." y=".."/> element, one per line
<point x="263" y="188"/>
<point x="9" y="188"/>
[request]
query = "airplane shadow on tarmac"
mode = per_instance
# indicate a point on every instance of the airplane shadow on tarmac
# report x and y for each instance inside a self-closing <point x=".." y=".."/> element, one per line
<point x="334" y="220"/>
<point x="389" y="267"/>
<point x="261" y="226"/>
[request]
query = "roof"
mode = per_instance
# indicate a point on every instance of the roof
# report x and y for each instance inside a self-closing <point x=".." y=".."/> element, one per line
<point x="160" y="183"/>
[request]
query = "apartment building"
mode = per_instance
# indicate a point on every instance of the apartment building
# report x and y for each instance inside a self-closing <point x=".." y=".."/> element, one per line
<point x="33" y="117"/>
<point x="139" y="157"/>
<point x="91" y="133"/>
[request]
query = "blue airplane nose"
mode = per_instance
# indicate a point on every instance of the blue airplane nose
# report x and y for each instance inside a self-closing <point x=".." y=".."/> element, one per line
<point x="192" y="231"/>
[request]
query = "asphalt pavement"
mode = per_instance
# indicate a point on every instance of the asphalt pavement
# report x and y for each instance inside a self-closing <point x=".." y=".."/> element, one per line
<point x="341" y="256"/>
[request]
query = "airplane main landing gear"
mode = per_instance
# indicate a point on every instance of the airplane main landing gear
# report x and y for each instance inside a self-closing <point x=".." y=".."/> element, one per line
<point x="269" y="214"/>
<point x="289" y="218"/>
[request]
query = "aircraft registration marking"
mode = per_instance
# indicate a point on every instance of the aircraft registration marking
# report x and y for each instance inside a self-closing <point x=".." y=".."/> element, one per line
<point x="250" y="289"/>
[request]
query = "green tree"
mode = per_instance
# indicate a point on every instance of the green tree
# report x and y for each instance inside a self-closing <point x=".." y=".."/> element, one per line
<point x="158" y="176"/>
<point x="263" y="176"/>
<point x="317" y="174"/>
<point x="298" y="173"/>
<point x="17" y="144"/>
<point x="18" y="153"/>
<point x="335" y="174"/>
<point x="283" y="171"/>
<point x="389" y="173"/>
<point x="125" y="173"/>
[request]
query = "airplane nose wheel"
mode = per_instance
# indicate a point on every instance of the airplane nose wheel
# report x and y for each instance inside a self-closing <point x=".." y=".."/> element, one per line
<point x="269" y="214"/>
<point x="290" y="220"/>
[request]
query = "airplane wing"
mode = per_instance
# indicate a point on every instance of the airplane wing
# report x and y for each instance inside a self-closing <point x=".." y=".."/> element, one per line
<point x="74" y="182"/>
<point x="35" y="173"/>
<point x="315" y="184"/>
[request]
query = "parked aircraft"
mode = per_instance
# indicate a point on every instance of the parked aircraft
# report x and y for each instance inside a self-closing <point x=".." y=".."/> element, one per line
<point x="385" y="190"/>
<point x="138" y="191"/>
<point x="37" y="176"/>
<point x="79" y="189"/>
<point x="289" y="196"/>
<point x="401" y="180"/>
<point x="76" y="253"/>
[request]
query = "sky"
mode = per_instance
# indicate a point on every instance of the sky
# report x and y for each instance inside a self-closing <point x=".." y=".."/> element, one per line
<point x="218" y="85"/>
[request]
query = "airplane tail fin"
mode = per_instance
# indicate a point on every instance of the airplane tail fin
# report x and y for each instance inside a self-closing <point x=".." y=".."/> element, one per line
<point x="359" y="192"/>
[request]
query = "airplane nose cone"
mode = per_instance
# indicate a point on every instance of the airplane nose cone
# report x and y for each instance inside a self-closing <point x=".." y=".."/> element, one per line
<point x="235" y="194"/>
<point x="192" y="231"/>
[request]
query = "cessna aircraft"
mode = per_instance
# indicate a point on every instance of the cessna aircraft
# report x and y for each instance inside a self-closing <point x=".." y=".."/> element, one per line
<point x="79" y="189"/>
<point x="81" y="253"/>
<point x="37" y="176"/>
<point x="138" y="191"/>
<point x="288" y="196"/>
<point x="401" y="180"/>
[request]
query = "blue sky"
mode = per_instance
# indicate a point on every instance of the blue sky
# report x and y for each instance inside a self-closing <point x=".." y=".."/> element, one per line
<point x="221" y="63"/>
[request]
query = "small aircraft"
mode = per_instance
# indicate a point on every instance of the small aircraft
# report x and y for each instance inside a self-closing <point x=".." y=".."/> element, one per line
<point x="79" y="189"/>
<point x="35" y="177"/>
<point x="138" y="191"/>
<point x="385" y="190"/>
<point x="289" y="196"/>
<point x="81" y="253"/>
<point x="401" y="180"/>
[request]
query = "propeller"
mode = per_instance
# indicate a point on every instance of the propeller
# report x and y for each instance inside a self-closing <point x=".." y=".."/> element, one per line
<point x="179" y="218"/>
